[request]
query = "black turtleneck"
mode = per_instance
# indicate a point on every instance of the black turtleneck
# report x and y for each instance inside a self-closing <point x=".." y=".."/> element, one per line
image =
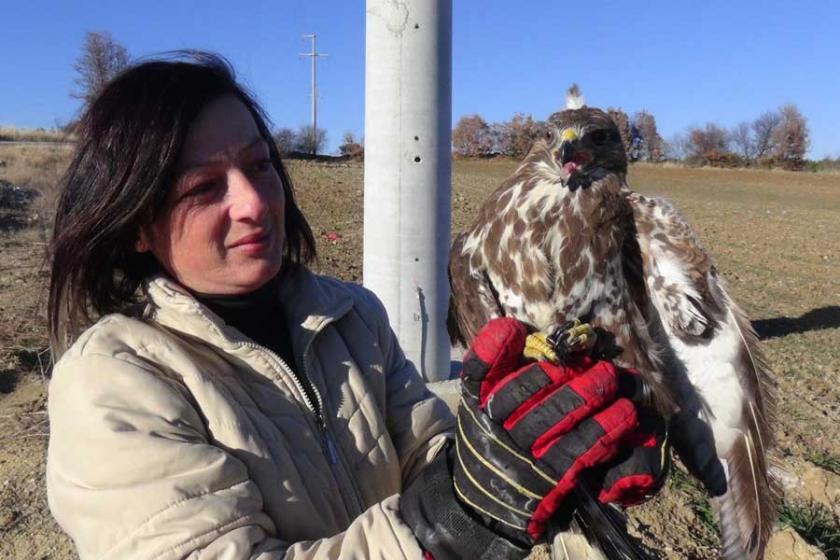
<point x="258" y="315"/>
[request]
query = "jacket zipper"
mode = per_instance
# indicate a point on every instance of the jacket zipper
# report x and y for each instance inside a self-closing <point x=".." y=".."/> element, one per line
<point x="360" y="507"/>
<point x="327" y="444"/>
<point x="316" y="408"/>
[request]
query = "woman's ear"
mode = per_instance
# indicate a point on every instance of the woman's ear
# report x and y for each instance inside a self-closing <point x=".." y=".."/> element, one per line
<point x="142" y="244"/>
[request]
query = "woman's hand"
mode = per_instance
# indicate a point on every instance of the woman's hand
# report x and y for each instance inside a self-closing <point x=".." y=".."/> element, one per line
<point x="526" y="434"/>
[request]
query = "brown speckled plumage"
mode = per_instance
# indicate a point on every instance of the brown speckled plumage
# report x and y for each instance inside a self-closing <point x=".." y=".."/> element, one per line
<point x="560" y="240"/>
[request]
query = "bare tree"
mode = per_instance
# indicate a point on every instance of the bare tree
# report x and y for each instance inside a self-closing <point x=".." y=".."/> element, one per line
<point x="515" y="137"/>
<point x="472" y="137"/>
<point x="102" y="58"/>
<point x="791" y="138"/>
<point x="308" y="141"/>
<point x="285" y="140"/>
<point x="712" y="139"/>
<point x="501" y="137"/>
<point x="650" y="147"/>
<point x="742" y="141"/>
<point x="351" y="147"/>
<point x="677" y="146"/>
<point x="622" y="121"/>
<point x="764" y="128"/>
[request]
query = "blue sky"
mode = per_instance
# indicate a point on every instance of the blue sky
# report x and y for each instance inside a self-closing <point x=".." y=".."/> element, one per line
<point x="686" y="62"/>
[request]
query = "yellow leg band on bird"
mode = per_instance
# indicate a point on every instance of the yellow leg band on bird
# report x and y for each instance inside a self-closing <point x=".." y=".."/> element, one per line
<point x="507" y="448"/>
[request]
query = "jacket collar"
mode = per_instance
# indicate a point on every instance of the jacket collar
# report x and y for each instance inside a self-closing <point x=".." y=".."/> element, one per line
<point x="309" y="303"/>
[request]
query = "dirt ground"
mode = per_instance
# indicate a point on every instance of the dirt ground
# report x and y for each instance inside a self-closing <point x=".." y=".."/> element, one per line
<point x="774" y="236"/>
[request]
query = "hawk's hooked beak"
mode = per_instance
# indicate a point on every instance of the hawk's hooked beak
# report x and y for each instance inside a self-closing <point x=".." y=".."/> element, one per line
<point x="567" y="137"/>
<point x="570" y="155"/>
<point x="567" y="152"/>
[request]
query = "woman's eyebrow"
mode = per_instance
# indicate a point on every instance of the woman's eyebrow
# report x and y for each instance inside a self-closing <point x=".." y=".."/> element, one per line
<point x="256" y="142"/>
<point x="214" y="159"/>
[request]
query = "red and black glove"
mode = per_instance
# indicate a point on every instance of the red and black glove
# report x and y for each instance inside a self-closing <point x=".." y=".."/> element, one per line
<point x="641" y="467"/>
<point x="526" y="432"/>
<point x="543" y="423"/>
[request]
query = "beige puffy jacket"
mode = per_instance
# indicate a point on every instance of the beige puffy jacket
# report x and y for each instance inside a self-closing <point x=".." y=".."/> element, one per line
<point x="174" y="436"/>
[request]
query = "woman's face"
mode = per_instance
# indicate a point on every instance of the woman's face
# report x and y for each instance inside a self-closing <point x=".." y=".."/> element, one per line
<point x="222" y="230"/>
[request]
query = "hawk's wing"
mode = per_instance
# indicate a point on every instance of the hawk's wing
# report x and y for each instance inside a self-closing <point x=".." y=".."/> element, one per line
<point x="721" y="377"/>
<point x="472" y="299"/>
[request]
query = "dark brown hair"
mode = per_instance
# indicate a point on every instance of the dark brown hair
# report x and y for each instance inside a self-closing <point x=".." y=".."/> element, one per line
<point x="129" y="141"/>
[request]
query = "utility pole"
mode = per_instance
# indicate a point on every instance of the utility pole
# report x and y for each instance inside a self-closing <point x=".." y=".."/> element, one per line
<point x="313" y="54"/>
<point x="408" y="174"/>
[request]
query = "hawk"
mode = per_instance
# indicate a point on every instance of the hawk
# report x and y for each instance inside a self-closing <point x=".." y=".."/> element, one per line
<point x="564" y="237"/>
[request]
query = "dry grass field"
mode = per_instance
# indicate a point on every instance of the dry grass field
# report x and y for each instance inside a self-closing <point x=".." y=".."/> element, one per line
<point x="774" y="236"/>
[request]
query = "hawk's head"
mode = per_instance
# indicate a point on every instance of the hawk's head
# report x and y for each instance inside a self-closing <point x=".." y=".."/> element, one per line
<point x="583" y="143"/>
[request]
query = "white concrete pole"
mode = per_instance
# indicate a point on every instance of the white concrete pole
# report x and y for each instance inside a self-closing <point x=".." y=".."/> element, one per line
<point x="314" y="95"/>
<point x="313" y="55"/>
<point x="408" y="122"/>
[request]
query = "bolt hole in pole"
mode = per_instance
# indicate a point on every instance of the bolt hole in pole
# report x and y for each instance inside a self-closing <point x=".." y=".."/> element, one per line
<point x="417" y="159"/>
<point x="416" y="26"/>
<point x="416" y="138"/>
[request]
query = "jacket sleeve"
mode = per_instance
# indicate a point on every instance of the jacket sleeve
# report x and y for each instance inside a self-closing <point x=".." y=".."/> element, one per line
<point x="418" y="421"/>
<point x="131" y="474"/>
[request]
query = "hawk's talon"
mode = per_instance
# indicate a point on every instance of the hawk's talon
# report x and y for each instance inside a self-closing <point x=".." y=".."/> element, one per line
<point x="582" y="337"/>
<point x="538" y="347"/>
<point x="570" y="337"/>
<point x="556" y="336"/>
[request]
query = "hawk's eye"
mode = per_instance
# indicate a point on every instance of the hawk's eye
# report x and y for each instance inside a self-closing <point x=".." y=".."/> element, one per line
<point x="549" y="135"/>
<point x="599" y="137"/>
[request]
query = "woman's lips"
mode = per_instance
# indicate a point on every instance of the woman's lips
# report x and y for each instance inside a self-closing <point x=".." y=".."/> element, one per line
<point x="253" y="243"/>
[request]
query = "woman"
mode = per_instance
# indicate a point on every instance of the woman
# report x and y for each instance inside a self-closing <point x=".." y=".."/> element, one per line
<point x="227" y="402"/>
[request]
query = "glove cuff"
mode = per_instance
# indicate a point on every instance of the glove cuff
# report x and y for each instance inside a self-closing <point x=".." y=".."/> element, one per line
<point x="443" y="525"/>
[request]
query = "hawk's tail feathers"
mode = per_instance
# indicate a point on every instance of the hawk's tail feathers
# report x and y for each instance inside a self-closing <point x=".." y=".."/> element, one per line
<point x="604" y="527"/>
<point x="747" y="510"/>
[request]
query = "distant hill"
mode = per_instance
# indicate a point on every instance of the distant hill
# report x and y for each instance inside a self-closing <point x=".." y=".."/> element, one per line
<point x="15" y="134"/>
